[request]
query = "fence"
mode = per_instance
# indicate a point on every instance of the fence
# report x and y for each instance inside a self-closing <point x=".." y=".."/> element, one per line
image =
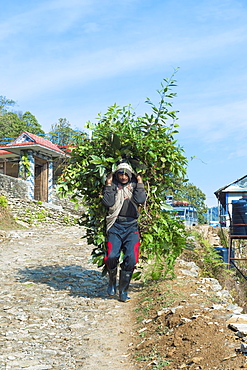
<point x="58" y="138"/>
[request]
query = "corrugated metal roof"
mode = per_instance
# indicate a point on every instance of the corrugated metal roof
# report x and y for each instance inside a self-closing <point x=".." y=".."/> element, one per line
<point x="239" y="184"/>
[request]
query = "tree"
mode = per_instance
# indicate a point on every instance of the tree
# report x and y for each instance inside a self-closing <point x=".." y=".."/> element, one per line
<point x="61" y="133"/>
<point x="148" y="144"/>
<point x="194" y="196"/>
<point x="12" y="124"/>
<point x="31" y="124"/>
<point x="5" y="103"/>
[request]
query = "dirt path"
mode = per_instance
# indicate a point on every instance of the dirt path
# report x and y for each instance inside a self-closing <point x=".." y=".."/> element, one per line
<point x="54" y="311"/>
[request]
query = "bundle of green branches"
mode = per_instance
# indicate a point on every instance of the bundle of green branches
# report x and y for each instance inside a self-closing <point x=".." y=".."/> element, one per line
<point x="148" y="144"/>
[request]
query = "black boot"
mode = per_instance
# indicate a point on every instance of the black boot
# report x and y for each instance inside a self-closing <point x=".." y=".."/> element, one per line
<point x="112" y="286"/>
<point x="124" y="282"/>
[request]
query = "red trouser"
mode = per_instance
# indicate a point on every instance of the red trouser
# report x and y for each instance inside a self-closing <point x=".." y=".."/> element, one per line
<point x="126" y="238"/>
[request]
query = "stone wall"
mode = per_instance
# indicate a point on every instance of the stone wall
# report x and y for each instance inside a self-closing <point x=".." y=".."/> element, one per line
<point x="66" y="203"/>
<point x="13" y="186"/>
<point x="32" y="212"/>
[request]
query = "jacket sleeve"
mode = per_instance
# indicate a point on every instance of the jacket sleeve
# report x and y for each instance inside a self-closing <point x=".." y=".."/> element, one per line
<point x="109" y="194"/>
<point x="139" y="194"/>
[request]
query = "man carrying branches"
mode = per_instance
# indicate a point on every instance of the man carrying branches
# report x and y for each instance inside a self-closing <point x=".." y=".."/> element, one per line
<point x="122" y="194"/>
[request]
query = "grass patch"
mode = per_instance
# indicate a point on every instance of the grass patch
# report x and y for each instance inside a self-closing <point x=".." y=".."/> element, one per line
<point x="7" y="220"/>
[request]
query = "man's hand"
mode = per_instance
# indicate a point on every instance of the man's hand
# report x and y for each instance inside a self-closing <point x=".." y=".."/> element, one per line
<point x="139" y="178"/>
<point x="109" y="178"/>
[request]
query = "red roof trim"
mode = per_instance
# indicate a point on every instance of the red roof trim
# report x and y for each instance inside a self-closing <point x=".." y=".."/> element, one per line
<point x="37" y="140"/>
<point x="2" y="152"/>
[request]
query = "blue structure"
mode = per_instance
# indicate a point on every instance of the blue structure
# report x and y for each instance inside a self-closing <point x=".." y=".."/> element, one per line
<point x="227" y="195"/>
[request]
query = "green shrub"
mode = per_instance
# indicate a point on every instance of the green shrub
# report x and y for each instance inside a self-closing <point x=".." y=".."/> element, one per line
<point x="3" y="201"/>
<point x="206" y="256"/>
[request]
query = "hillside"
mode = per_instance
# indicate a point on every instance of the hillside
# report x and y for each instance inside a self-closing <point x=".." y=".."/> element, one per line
<point x="182" y="323"/>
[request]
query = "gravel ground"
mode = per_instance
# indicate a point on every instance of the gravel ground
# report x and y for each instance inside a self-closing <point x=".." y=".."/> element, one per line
<point x="54" y="311"/>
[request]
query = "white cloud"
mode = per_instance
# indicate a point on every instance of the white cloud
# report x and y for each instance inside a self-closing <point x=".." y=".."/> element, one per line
<point x="216" y="123"/>
<point x="51" y="52"/>
<point x="51" y="71"/>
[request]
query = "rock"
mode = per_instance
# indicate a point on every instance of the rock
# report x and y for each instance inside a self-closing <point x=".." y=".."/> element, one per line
<point x="214" y="284"/>
<point x="234" y="308"/>
<point x="183" y="366"/>
<point x="240" y="319"/>
<point x="163" y="311"/>
<point x="192" y="273"/>
<point x="224" y="294"/>
<point x="238" y="323"/>
<point x="243" y="347"/>
<point x="218" y="307"/>
<point x="241" y="328"/>
<point x="185" y="320"/>
<point x="196" y="360"/>
<point x="230" y="357"/>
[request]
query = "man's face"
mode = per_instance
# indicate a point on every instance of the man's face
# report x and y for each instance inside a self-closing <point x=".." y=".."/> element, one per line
<point x="123" y="177"/>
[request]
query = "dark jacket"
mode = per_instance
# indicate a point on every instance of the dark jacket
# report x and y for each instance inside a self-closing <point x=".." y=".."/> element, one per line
<point x="128" y="212"/>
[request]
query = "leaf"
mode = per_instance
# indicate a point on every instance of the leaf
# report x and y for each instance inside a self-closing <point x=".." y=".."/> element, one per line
<point x="116" y="142"/>
<point x="166" y="207"/>
<point x="136" y="275"/>
<point x="96" y="160"/>
<point x="156" y="274"/>
<point x="102" y="171"/>
<point x="137" y="165"/>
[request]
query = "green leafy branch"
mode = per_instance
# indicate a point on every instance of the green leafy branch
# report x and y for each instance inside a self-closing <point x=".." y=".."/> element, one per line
<point x="25" y="168"/>
<point x="148" y="144"/>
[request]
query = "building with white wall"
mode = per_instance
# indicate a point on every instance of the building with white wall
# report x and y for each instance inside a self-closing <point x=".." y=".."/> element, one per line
<point x="31" y="157"/>
<point x="234" y="191"/>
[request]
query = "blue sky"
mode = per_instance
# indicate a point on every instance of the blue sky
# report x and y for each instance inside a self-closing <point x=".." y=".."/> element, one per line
<point x="73" y="59"/>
